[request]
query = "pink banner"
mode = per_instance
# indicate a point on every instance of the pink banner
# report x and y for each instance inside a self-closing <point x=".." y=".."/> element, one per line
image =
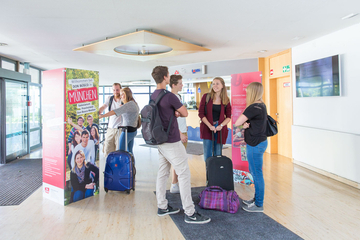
<point x="53" y="128"/>
<point x="239" y="82"/>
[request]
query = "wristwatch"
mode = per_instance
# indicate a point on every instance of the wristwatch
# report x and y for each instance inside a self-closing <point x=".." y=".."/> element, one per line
<point x="221" y="125"/>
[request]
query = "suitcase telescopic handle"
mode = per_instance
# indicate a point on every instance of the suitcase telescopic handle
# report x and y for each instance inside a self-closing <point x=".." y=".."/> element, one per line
<point x="213" y="144"/>
<point x="126" y="131"/>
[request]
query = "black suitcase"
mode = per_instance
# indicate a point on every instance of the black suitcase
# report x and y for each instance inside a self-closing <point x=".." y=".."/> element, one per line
<point x="119" y="174"/>
<point x="219" y="171"/>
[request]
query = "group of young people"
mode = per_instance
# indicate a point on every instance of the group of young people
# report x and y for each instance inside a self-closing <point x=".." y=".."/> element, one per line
<point x="215" y="114"/>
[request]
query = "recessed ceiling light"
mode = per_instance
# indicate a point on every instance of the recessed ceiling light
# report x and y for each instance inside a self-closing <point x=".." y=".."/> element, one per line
<point x="351" y="15"/>
<point x="297" y="38"/>
<point x="3" y="44"/>
<point x="262" y="51"/>
<point x="142" y="46"/>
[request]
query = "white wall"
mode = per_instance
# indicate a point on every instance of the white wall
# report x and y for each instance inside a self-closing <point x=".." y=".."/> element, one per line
<point x="326" y="130"/>
<point x="215" y="69"/>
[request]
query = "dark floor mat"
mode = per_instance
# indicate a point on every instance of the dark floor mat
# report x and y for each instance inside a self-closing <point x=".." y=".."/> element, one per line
<point x="241" y="225"/>
<point x="18" y="180"/>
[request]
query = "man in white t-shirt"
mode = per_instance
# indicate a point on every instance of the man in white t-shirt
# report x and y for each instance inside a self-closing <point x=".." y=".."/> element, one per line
<point x="87" y="146"/>
<point x="176" y="86"/>
<point x="112" y="133"/>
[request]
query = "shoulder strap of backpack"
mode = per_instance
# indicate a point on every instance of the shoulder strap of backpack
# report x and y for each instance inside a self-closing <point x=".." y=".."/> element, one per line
<point x="160" y="96"/>
<point x="110" y="102"/>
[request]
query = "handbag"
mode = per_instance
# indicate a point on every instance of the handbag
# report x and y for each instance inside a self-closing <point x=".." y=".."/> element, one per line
<point x="216" y="198"/>
<point x="271" y="126"/>
<point x="138" y="122"/>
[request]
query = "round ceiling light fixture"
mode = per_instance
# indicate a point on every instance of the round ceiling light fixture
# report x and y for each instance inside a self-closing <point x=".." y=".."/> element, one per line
<point x="3" y="44"/>
<point x="142" y="49"/>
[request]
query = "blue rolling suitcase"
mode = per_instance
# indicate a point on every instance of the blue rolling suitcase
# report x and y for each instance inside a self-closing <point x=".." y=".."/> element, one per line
<point x="120" y="170"/>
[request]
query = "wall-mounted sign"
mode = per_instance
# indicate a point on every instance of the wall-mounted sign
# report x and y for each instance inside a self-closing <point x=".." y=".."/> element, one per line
<point x="271" y="71"/>
<point x="199" y="90"/>
<point x="176" y="72"/>
<point x="286" y="69"/>
<point x="286" y="84"/>
<point x="196" y="70"/>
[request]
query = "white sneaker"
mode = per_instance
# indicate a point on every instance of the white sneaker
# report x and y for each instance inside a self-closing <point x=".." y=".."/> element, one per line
<point x="175" y="188"/>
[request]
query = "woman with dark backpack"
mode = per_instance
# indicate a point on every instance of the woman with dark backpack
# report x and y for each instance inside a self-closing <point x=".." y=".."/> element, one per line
<point x="254" y="121"/>
<point x="215" y="114"/>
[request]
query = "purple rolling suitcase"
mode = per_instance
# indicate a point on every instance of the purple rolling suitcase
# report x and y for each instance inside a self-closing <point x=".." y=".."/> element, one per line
<point x="120" y="170"/>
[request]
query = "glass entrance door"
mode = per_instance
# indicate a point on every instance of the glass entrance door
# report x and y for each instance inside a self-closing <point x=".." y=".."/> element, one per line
<point x="16" y="119"/>
<point x="35" y="116"/>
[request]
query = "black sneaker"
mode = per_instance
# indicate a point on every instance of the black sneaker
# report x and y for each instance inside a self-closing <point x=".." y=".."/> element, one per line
<point x="248" y="202"/>
<point x="197" y="218"/>
<point x="169" y="210"/>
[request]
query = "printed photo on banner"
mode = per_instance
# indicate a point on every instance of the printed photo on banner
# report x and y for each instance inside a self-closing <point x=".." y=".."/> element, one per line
<point x="82" y="133"/>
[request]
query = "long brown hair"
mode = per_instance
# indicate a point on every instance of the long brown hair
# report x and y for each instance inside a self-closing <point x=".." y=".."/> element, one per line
<point x="96" y="133"/>
<point x="74" y="142"/>
<point x="128" y="94"/>
<point x="254" y="92"/>
<point x="223" y="94"/>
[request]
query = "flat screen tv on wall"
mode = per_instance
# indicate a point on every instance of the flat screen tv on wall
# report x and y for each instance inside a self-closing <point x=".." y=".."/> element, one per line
<point x="318" y="78"/>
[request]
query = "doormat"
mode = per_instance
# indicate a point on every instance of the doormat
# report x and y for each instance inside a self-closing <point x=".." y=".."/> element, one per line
<point x="241" y="225"/>
<point x="19" y="179"/>
<point x="192" y="148"/>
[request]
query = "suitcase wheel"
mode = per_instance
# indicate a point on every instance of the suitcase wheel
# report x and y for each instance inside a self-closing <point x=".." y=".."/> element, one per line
<point x="106" y="190"/>
<point x="128" y="191"/>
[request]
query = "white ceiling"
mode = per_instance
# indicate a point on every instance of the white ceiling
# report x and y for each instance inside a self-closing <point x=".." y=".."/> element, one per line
<point x="44" y="32"/>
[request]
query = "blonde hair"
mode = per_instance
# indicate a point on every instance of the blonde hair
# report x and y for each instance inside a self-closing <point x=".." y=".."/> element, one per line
<point x="223" y="94"/>
<point x="80" y="152"/>
<point x="254" y="92"/>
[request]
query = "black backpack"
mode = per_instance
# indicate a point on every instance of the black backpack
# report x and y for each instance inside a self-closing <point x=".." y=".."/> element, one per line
<point x="152" y="129"/>
<point x="111" y="101"/>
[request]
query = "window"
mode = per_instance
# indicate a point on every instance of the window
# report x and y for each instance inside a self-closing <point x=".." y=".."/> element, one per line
<point x="9" y="65"/>
<point x="21" y="68"/>
<point x="35" y="75"/>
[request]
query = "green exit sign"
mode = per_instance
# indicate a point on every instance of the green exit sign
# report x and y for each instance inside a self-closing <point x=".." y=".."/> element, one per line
<point x="286" y="68"/>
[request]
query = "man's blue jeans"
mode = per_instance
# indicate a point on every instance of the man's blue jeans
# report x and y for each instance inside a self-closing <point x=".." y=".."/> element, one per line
<point x="130" y="140"/>
<point x="255" y="159"/>
<point x="208" y="146"/>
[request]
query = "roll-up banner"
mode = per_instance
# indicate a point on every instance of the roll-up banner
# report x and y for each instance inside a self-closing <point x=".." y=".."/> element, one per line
<point x="239" y="82"/>
<point x="70" y="135"/>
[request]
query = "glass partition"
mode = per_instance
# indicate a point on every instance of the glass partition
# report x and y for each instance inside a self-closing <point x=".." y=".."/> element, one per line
<point x="16" y="119"/>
